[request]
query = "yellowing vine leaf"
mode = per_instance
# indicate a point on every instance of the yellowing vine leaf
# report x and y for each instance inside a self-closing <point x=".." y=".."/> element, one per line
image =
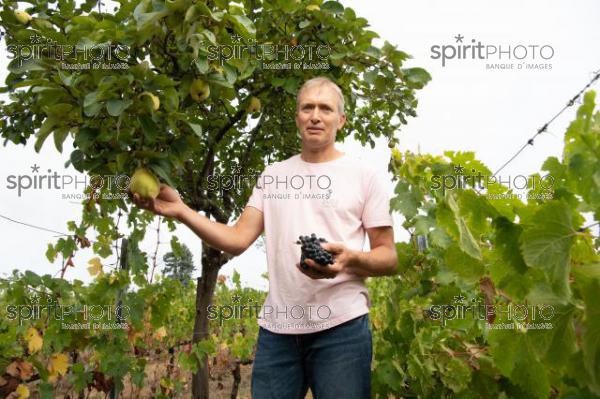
<point x="22" y="392"/>
<point x="166" y="383"/>
<point x="95" y="267"/>
<point x="59" y="363"/>
<point x="94" y="357"/>
<point x="160" y="333"/>
<point x="133" y="334"/>
<point x="34" y="340"/>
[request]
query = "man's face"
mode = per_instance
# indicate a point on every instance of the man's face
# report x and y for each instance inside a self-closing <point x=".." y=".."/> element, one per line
<point x="318" y="117"/>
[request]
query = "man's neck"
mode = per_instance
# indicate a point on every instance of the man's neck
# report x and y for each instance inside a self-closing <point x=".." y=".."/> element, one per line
<point x="316" y="156"/>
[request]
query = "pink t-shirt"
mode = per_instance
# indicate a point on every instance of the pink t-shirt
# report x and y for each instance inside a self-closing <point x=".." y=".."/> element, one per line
<point x="336" y="200"/>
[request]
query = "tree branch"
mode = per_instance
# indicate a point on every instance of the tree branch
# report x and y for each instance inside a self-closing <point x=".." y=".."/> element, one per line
<point x="209" y="160"/>
<point x="253" y="135"/>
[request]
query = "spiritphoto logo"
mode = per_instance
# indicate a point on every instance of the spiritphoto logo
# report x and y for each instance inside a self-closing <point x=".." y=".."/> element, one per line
<point x="463" y="179"/>
<point x="71" y="316"/>
<point x="117" y="185"/>
<point x="78" y="57"/>
<point x="239" y="310"/>
<point x="514" y="316"/>
<point x="296" y="187"/>
<point x="234" y="181"/>
<point x="497" y="56"/>
<point x="273" y="56"/>
<point x="279" y="187"/>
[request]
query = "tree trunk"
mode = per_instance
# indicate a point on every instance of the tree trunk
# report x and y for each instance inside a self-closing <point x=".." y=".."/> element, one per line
<point x="212" y="260"/>
<point x="237" y="377"/>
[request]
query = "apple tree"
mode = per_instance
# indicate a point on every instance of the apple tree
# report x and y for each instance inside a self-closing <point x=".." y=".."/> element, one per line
<point x="184" y="88"/>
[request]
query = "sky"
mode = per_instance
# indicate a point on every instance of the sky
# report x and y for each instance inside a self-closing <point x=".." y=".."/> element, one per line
<point x="468" y="106"/>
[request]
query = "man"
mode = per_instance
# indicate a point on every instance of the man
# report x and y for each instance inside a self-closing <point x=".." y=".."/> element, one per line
<point x="314" y="330"/>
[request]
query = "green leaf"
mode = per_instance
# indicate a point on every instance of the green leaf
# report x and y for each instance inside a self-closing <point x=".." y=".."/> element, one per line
<point x="77" y="160"/>
<point x="588" y="271"/>
<point x="149" y="128"/>
<point x="50" y="253"/>
<point x="176" y="247"/>
<point x="202" y="64"/>
<point x="19" y="65"/>
<point x="44" y="131"/>
<point x="507" y="244"/>
<point x="203" y="348"/>
<point x="30" y="278"/>
<point x="466" y="241"/>
<point x="91" y="105"/>
<point x="373" y="51"/>
<point x="304" y="24"/>
<point x="292" y="84"/>
<point x="171" y="99"/>
<point x="405" y="201"/>
<point x="230" y="73"/>
<point x="507" y="267"/>
<point x="32" y="82"/>
<point x="332" y="7"/>
<point x="196" y="128"/>
<point x="591" y="335"/>
<point x="546" y="244"/>
<point x="371" y="75"/>
<point x="80" y="378"/>
<point x="58" y="111"/>
<point x="85" y="138"/>
<point x="116" y="107"/>
<point x="456" y="375"/>
<point x="466" y="267"/>
<point x="562" y="344"/>
<point x="243" y="23"/>
<point x="219" y="79"/>
<point x="202" y="9"/>
<point x="144" y="19"/>
<point x="416" y="77"/>
<point x="235" y="278"/>
<point x="136" y="260"/>
<point x="46" y="390"/>
<point x="515" y="357"/>
<point x="60" y="135"/>
<point x="162" y="173"/>
<point x="404" y="253"/>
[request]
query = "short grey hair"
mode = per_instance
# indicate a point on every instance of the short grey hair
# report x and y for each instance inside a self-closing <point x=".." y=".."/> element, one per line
<point x="320" y="81"/>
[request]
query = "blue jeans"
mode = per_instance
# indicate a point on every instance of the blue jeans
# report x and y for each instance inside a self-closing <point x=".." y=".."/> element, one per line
<point x="335" y="363"/>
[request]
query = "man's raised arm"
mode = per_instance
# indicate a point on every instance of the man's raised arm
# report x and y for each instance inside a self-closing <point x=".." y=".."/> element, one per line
<point x="231" y="239"/>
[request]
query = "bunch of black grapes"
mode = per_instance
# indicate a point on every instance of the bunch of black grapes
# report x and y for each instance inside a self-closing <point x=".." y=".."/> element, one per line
<point x="311" y="249"/>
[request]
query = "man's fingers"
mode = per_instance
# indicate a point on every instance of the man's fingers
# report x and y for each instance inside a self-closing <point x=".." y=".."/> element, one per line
<point x="333" y="247"/>
<point x="310" y="273"/>
<point x="144" y="203"/>
<point x="316" y="265"/>
<point x="315" y="270"/>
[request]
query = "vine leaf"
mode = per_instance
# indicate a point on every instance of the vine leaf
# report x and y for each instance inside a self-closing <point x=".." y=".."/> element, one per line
<point x="466" y="241"/>
<point x="546" y="244"/>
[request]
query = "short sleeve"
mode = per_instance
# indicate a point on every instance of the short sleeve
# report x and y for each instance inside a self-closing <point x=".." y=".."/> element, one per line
<point x="256" y="198"/>
<point x="376" y="211"/>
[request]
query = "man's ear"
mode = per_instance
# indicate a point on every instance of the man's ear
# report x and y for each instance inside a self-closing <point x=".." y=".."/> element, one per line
<point x="342" y="121"/>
